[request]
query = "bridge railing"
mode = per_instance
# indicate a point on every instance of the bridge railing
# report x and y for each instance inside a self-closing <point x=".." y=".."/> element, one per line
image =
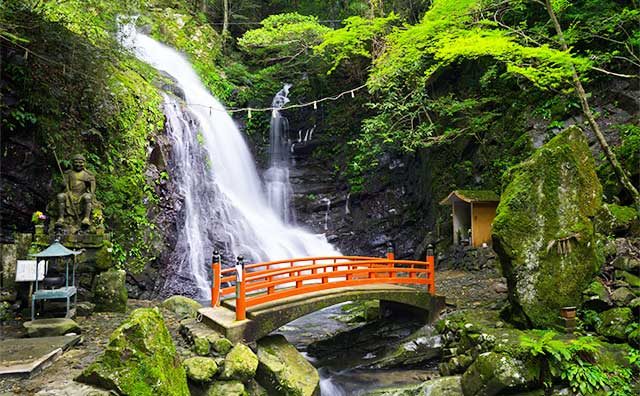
<point x="253" y="284"/>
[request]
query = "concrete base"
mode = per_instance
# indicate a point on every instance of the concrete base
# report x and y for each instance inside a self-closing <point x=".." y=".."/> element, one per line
<point x="25" y="356"/>
<point x="265" y="318"/>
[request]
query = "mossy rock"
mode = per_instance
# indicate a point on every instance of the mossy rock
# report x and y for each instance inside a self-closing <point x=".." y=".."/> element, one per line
<point x="104" y="256"/>
<point x="631" y="279"/>
<point x="614" y="219"/>
<point x="443" y="386"/>
<point x="140" y="359"/>
<point x="182" y="306"/>
<point x="283" y="370"/>
<point x="227" y="388"/>
<point x="625" y="263"/>
<point x="201" y="346"/>
<point x="495" y="374"/>
<point x="596" y="297"/>
<point x="110" y="291"/>
<point x="221" y="345"/>
<point x="200" y="369"/>
<point x="542" y="231"/>
<point x="240" y="363"/>
<point x="614" y="322"/>
<point x="622" y="296"/>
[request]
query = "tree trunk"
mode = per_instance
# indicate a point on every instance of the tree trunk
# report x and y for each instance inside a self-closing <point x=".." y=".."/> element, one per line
<point x="225" y="21"/>
<point x="586" y="109"/>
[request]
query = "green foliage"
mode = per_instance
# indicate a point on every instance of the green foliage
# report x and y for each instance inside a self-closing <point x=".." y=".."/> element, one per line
<point x="357" y="39"/>
<point x="283" y="38"/>
<point x="574" y="361"/>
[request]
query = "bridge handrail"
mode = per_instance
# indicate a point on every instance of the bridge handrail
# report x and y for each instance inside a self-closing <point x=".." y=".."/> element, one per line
<point x="350" y="271"/>
<point x="301" y="259"/>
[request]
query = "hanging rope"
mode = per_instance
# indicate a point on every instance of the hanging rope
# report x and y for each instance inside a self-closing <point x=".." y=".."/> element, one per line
<point x="248" y="110"/>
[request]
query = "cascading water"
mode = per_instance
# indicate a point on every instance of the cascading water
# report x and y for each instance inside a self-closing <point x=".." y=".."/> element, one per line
<point x="224" y="200"/>
<point x="276" y="178"/>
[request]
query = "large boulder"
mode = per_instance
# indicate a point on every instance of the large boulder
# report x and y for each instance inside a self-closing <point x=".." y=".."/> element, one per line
<point x="495" y="374"/>
<point x="542" y="231"/>
<point x="140" y="359"/>
<point x="110" y="292"/>
<point x="240" y="363"/>
<point x="283" y="370"/>
<point x="182" y="306"/>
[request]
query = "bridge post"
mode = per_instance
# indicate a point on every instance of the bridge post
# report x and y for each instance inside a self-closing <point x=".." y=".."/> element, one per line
<point x="431" y="269"/>
<point x="390" y="256"/>
<point x="240" y="289"/>
<point x="216" y="268"/>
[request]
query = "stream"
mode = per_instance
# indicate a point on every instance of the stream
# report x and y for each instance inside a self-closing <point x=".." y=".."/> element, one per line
<point x="345" y="372"/>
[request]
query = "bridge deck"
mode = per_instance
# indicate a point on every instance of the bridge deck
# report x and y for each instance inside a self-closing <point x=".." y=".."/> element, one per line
<point x="264" y="318"/>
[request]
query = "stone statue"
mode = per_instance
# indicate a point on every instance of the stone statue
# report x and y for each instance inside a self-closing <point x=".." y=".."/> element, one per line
<point x="79" y="193"/>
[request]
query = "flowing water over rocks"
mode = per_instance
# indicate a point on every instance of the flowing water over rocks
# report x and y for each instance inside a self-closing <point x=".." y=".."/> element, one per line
<point x="225" y="205"/>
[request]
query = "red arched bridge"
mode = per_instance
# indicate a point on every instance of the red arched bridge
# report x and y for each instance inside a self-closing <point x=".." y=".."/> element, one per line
<point x="250" y="301"/>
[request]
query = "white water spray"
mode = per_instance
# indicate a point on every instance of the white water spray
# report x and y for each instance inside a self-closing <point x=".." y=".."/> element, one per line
<point x="224" y="198"/>
<point x="279" y="191"/>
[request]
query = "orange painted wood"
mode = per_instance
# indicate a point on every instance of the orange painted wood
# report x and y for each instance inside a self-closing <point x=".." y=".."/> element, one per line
<point x="215" y="288"/>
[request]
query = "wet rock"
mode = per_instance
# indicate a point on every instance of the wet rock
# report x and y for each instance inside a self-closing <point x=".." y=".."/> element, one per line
<point x="227" y="388"/>
<point x="283" y="370"/>
<point x="240" y="363"/>
<point x="444" y="386"/>
<point x="110" y="292"/>
<point x="200" y="369"/>
<point x="495" y="374"/>
<point x="182" y="306"/>
<point x="420" y="347"/>
<point x="542" y="232"/>
<point x="51" y="327"/>
<point x="613" y="323"/>
<point x="622" y="296"/>
<point x="140" y="359"/>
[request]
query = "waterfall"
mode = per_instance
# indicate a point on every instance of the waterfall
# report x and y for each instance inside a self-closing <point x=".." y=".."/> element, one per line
<point x="224" y="200"/>
<point x="276" y="178"/>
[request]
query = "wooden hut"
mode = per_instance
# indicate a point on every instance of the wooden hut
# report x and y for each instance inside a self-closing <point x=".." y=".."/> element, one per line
<point x="472" y="212"/>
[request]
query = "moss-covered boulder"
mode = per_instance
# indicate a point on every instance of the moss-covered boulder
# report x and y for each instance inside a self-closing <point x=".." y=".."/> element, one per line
<point x="227" y="388"/>
<point x="104" y="256"/>
<point x="495" y="374"/>
<point x="614" y="322"/>
<point x="140" y="359"/>
<point x="283" y="370"/>
<point x="110" y="291"/>
<point x="200" y="369"/>
<point x="182" y="306"/>
<point x="542" y="231"/>
<point x="201" y="346"/>
<point x="221" y="345"/>
<point x="240" y="363"/>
